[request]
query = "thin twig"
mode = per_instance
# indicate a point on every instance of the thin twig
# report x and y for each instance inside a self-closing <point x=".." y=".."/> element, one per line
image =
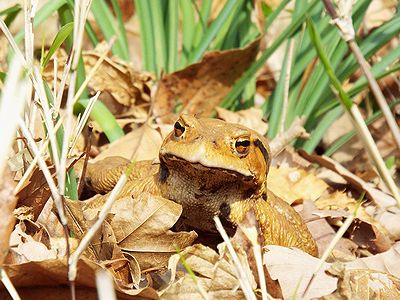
<point x="242" y="276"/>
<point x="43" y="166"/>
<point x="85" y="162"/>
<point x="330" y="247"/>
<point x="73" y="261"/>
<point x="285" y="138"/>
<point x="8" y="284"/>
<point x="287" y="85"/>
<point x="344" y="23"/>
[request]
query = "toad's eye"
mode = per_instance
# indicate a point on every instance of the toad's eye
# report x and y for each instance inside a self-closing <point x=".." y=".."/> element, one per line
<point x="242" y="146"/>
<point x="178" y="129"/>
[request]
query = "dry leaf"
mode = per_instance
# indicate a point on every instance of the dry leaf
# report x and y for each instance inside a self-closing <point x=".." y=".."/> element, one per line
<point x="292" y="184"/>
<point x="251" y="118"/>
<point x="142" y="143"/>
<point x="369" y="237"/>
<point x="388" y="262"/>
<point x="379" y="197"/>
<point x="214" y="274"/>
<point x="202" y="86"/>
<point x="141" y="226"/>
<point x="124" y="90"/>
<point x="7" y="220"/>
<point x="35" y="192"/>
<point x="50" y="276"/>
<point x="322" y="232"/>
<point x="293" y="269"/>
<point x="364" y="284"/>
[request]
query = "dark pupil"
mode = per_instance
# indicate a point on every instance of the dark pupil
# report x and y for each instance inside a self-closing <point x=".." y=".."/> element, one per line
<point x="244" y="143"/>
<point x="179" y="127"/>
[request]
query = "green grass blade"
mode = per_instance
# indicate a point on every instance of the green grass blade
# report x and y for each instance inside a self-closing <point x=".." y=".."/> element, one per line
<point x="104" y="118"/>
<point x="71" y="190"/>
<point x="213" y="30"/>
<point x="105" y="20"/>
<point x="348" y="136"/>
<point x="316" y="39"/>
<point x="371" y="44"/>
<point x="172" y="35"/>
<point x="201" y="26"/>
<point x="146" y="35"/>
<point x="277" y="98"/>
<point x="321" y="128"/>
<point x="271" y="18"/>
<point x="188" y="29"/>
<point x="156" y="12"/>
<point x="42" y="14"/>
<point x="62" y="34"/>
<point x="120" y="22"/>
<point x="65" y="16"/>
<point x="226" y="38"/>
<point x="11" y="13"/>
<point x="241" y="83"/>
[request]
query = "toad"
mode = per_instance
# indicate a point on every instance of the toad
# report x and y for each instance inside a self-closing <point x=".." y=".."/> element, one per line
<point x="211" y="168"/>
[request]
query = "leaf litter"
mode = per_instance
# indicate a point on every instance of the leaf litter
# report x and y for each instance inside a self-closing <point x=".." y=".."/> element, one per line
<point x="136" y="243"/>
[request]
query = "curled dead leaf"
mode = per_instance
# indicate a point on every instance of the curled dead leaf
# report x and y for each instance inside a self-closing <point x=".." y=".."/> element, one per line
<point x="215" y="275"/>
<point x="7" y="220"/>
<point x="200" y="87"/>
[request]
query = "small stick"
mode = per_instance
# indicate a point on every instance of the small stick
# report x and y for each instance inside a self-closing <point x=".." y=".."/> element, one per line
<point x="85" y="162"/>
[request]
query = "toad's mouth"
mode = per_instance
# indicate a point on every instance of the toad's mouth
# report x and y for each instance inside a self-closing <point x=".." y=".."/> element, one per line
<point x="185" y="166"/>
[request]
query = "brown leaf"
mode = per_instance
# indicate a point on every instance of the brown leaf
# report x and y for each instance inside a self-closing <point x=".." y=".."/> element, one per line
<point x="142" y="143"/>
<point x="369" y="237"/>
<point x="142" y="229"/>
<point x="365" y="284"/>
<point x="202" y="86"/>
<point x="141" y="226"/>
<point x="251" y="118"/>
<point x="388" y="261"/>
<point x="7" y="220"/>
<point x="216" y="275"/>
<point x="380" y="198"/>
<point x="45" y="276"/>
<point x="35" y="192"/>
<point x="292" y="184"/>
<point x="125" y="91"/>
<point x="322" y="232"/>
<point x="293" y="269"/>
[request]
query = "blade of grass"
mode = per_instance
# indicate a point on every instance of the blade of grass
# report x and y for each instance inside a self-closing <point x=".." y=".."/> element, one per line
<point x="188" y="29"/>
<point x="121" y="25"/>
<point x="157" y="18"/>
<point x="348" y="136"/>
<point x="42" y="14"/>
<point x="240" y="84"/>
<point x="88" y="27"/>
<point x="172" y="35"/>
<point x="201" y="26"/>
<point x="62" y="34"/>
<point x="109" y="28"/>
<point x="226" y="37"/>
<point x="146" y="35"/>
<point x="323" y="125"/>
<point x="212" y="31"/>
<point x="108" y="123"/>
<point x="11" y="13"/>
<point x="277" y="98"/>
<point x="354" y="113"/>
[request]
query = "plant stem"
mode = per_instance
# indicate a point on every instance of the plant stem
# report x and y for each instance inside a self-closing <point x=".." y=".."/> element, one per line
<point x="366" y="69"/>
